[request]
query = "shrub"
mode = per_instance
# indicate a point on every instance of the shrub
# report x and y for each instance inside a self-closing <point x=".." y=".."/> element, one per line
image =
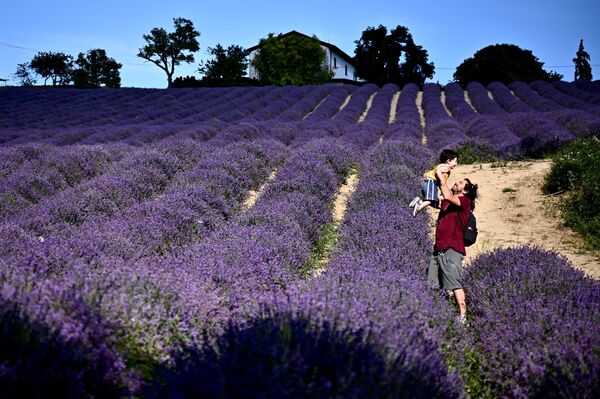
<point x="574" y="171"/>
<point x="281" y="356"/>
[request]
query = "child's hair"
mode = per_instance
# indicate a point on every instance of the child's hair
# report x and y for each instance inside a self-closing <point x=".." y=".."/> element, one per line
<point x="448" y="155"/>
<point x="471" y="190"/>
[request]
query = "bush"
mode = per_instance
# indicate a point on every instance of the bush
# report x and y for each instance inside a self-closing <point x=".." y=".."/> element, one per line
<point x="574" y="172"/>
<point x="473" y="153"/>
<point x="286" y="357"/>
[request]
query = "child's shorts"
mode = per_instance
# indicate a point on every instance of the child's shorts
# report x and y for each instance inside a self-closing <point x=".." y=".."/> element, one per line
<point x="430" y="189"/>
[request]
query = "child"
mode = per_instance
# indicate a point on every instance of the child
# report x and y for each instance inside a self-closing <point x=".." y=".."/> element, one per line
<point x="430" y="185"/>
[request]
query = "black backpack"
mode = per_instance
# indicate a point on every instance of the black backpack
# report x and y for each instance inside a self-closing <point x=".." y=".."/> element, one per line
<point x="470" y="231"/>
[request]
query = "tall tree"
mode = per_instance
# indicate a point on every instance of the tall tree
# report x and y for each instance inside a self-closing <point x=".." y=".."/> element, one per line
<point x="227" y="68"/>
<point x="25" y="75"/>
<point x="583" y="70"/>
<point x="167" y="50"/>
<point x="391" y="58"/>
<point x="292" y="59"/>
<point x="96" y="69"/>
<point x="55" y="66"/>
<point x="502" y="63"/>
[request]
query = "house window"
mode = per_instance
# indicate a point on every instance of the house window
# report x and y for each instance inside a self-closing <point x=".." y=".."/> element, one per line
<point x="346" y="69"/>
<point x="334" y="62"/>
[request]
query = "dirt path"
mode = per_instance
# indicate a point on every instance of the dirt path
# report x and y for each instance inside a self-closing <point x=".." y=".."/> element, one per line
<point x="254" y="194"/>
<point x="421" y="117"/>
<point x="340" y="204"/>
<point x="512" y="210"/>
<point x="362" y="117"/>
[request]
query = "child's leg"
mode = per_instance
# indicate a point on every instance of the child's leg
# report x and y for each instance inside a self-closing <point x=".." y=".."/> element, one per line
<point x="430" y="194"/>
<point x="423" y="205"/>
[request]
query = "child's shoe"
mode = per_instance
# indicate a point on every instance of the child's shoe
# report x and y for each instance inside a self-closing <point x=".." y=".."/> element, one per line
<point x="416" y="208"/>
<point x="413" y="202"/>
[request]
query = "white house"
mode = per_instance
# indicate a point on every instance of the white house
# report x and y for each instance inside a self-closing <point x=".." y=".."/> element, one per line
<point x="338" y="61"/>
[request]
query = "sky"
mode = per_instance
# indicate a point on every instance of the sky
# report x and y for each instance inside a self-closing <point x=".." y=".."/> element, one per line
<point x="450" y="31"/>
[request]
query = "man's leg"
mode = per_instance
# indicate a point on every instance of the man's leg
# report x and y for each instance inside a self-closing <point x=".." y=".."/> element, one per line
<point x="451" y="266"/>
<point x="433" y="273"/>
<point x="459" y="295"/>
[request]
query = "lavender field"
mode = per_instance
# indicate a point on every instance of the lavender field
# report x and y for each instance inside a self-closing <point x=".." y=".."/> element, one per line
<point x="132" y="264"/>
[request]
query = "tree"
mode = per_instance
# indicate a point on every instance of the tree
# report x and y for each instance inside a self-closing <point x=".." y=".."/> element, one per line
<point x="24" y="74"/>
<point x="291" y="60"/>
<point x="167" y="50"/>
<point x="583" y="70"/>
<point x="227" y="68"/>
<point x="56" y="66"/>
<point x="502" y="63"/>
<point x="391" y="58"/>
<point x="96" y="69"/>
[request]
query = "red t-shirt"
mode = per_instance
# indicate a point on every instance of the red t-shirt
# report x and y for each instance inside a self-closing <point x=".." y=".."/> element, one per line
<point x="449" y="229"/>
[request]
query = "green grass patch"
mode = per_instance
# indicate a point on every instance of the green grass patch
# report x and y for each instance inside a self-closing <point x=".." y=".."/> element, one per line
<point x="575" y="174"/>
<point x="509" y="190"/>
<point x="320" y="253"/>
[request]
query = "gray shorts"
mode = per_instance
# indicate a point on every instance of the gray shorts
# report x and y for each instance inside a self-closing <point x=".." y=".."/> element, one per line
<point x="445" y="269"/>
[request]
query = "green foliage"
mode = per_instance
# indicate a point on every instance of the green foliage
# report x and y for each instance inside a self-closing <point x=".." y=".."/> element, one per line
<point x="96" y="69"/>
<point x="227" y="68"/>
<point x="502" y="63"/>
<point x="57" y="67"/>
<point x="583" y="70"/>
<point x="476" y="385"/>
<point x="379" y="57"/>
<point x="25" y="74"/>
<point x="167" y="50"/>
<point x="574" y="172"/>
<point x="291" y="60"/>
<point x="473" y="153"/>
<point x="320" y="253"/>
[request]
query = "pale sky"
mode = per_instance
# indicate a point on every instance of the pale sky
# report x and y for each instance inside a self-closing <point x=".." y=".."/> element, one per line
<point x="449" y="30"/>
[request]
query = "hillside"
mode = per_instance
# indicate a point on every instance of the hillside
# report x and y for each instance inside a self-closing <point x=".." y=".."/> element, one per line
<point x="256" y="242"/>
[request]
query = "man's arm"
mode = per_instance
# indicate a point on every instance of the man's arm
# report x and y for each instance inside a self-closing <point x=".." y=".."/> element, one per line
<point x="454" y="199"/>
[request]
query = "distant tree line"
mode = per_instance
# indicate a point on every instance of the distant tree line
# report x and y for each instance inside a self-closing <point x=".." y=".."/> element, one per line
<point x="380" y="57"/>
<point x="93" y="69"/>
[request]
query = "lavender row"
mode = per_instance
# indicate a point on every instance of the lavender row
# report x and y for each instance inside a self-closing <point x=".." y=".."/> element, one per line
<point x="538" y="133"/>
<point x="153" y="306"/>
<point x="484" y="130"/>
<point x="201" y="202"/>
<point x="442" y="130"/>
<point x="356" y="106"/>
<point x="359" y="305"/>
<point x="299" y="110"/>
<point x="574" y="91"/>
<point x="529" y="96"/>
<point x="71" y="107"/>
<point x="407" y="116"/>
<point x="548" y="343"/>
<point x="578" y="123"/>
<point x="328" y="108"/>
<point x="35" y="172"/>
<point x="549" y="91"/>
<point x="125" y="300"/>
<point x="274" y="108"/>
<point x="373" y="288"/>
<point x="379" y="113"/>
<point x="142" y="176"/>
<point x="505" y="98"/>
<point x="589" y="86"/>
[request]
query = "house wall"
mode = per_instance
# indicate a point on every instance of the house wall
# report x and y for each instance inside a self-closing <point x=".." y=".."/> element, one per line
<point x="341" y="68"/>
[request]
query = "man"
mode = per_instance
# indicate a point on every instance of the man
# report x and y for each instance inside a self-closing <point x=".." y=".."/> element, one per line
<point x="445" y="266"/>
